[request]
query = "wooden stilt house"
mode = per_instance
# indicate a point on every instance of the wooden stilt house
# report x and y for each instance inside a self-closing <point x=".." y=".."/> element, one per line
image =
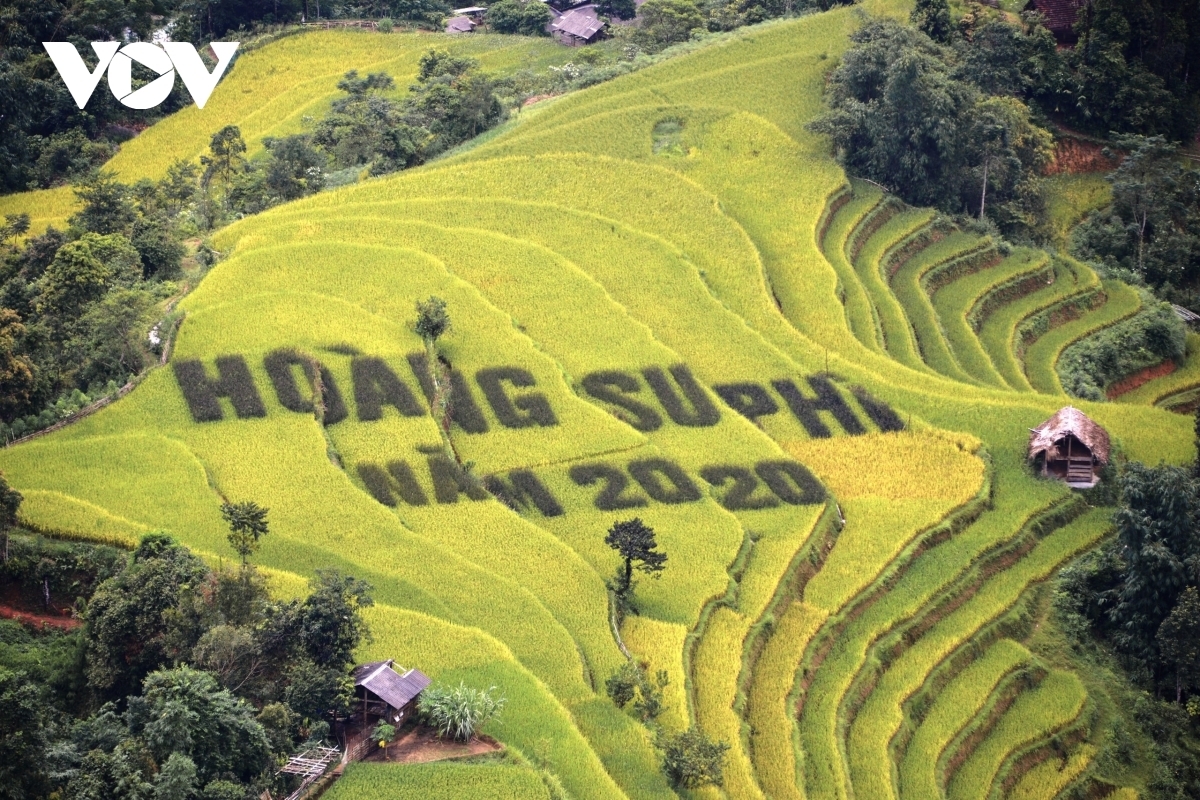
<point x="387" y="693"/>
<point x="1071" y="447"/>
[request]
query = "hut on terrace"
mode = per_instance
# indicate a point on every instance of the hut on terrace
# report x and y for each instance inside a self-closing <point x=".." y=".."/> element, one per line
<point x="577" y="26"/>
<point x="461" y="24"/>
<point x="474" y="12"/>
<point x="386" y="692"/>
<point x="1060" y="16"/>
<point x="1071" y="447"/>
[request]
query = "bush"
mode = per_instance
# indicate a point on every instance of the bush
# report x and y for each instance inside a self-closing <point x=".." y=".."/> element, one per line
<point x="1152" y="336"/>
<point x="691" y="759"/>
<point x="385" y="25"/>
<point x="461" y="711"/>
<point x="514" y="16"/>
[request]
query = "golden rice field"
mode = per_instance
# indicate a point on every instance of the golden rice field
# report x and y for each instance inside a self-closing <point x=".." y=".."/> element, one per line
<point x="819" y="402"/>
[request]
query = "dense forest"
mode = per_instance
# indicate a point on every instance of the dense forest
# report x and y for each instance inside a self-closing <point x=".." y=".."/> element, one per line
<point x="184" y="682"/>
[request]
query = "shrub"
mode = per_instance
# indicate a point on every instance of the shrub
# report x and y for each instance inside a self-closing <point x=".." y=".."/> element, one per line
<point x="461" y="711"/>
<point x="1152" y="336"/>
<point x="691" y="759"/>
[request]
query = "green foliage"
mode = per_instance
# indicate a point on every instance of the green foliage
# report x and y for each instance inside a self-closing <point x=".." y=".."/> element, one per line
<point x="637" y="546"/>
<point x="1179" y="641"/>
<point x="1154" y="335"/>
<point x="226" y="157"/>
<point x="66" y="156"/>
<point x="106" y="204"/>
<point x="247" y="524"/>
<point x="460" y="711"/>
<point x="665" y="22"/>
<point x="525" y="17"/>
<point x="632" y="684"/>
<point x="129" y="620"/>
<point x="184" y="710"/>
<point x="691" y="759"/>
<point x="432" y="318"/>
<point x="1156" y="529"/>
<point x="177" y="778"/>
<point x="331" y="623"/>
<point x="22" y="736"/>
<point x="902" y="116"/>
<point x="1152" y="230"/>
<point x="932" y="18"/>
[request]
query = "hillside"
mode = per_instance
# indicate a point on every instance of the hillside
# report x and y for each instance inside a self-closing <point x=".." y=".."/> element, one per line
<point x="669" y="302"/>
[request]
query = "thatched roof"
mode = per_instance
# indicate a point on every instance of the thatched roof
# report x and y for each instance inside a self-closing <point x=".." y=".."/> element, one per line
<point x="1045" y="437"/>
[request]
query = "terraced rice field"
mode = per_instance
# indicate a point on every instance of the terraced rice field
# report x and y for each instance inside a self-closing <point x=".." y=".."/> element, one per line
<point x="818" y="398"/>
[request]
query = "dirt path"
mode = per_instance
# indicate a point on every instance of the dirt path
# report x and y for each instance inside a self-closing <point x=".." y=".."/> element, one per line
<point x="39" y="620"/>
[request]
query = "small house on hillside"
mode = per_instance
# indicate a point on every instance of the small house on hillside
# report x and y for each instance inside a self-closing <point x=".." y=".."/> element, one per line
<point x="462" y="24"/>
<point x="1071" y="447"/>
<point x="388" y="693"/>
<point x="577" y="26"/>
<point x="474" y="12"/>
<point x="1060" y="16"/>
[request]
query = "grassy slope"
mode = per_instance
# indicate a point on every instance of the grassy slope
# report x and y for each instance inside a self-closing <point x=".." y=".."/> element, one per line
<point x="729" y="279"/>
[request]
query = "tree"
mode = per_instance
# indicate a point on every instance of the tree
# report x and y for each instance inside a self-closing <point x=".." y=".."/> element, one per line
<point x="995" y="59"/>
<point x="17" y="369"/>
<point x="107" y="205"/>
<point x="295" y="167"/>
<point x="176" y="780"/>
<point x="621" y="9"/>
<point x="384" y="733"/>
<point x="1179" y="641"/>
<point x="353" y="131"/>
<point x="112" y="330"/>
<point x="10" y="503"/>
<point x="632" y="684"/>
<point x="452" y="99"/>
<point x="691" y="759"/>
<point x="226" y="157"/>
<point x="1010" y="145"/>
<point x="1196" y="432"/>
<point x="131" y="618"/>
<point x="461" y="711"/>
<point x="247" y="524"/>
<point x="1145" y="186"/>
<point x="665" y="22"/>
<point x="1156" y="535"/>
<point x="184" y="710"/>
<point x="22" y="737"/>
<point x="932" y="18"/>
<point x="331" y="623"/>
<point x="635" y="543"/>
<point x="525" y="17"/>
<point x="432" y="319"/>
<point x="622" y="685"/>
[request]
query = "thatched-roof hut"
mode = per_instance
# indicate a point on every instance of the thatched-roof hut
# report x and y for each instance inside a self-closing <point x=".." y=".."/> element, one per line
<point x="1070" y="446"/>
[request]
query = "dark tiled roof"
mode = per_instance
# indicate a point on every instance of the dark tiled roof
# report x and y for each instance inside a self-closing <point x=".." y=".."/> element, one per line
<point x="387" y="684"/>
<point x="580" y="23"/>
<point x="1045" y="437"/>
<point x="460" y="25"/>
<point x="1060" y="14"/>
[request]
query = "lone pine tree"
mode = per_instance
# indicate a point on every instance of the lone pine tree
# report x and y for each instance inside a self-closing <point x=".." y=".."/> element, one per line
<point x="634" y="541"/>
